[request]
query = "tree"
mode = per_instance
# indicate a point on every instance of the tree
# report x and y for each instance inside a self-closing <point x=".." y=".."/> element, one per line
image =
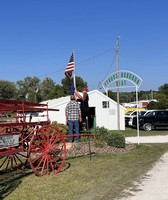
<point x="58" y="91"/>
<point x="157" y="105"/>
<point x="7" y="89"/>
<point x="47" y="88"/>
<point x="164" y="89"/>
<point x="28" y="89"/>
<point x="80" y="83"/>
<point x="152" y="105"/>
<point x="161" y="104"/>
<point x="162" y="97"/>
<point x="112" y="95"/>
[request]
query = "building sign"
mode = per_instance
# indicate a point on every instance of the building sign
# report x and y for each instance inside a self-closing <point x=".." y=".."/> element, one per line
<point x="120" y="78"/>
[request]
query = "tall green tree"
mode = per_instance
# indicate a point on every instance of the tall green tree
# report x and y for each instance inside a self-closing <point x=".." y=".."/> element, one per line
<point x="164" y="89"/>
<point x="28" y="89"/>
<point x="47" y="89"/>
<point x="7" y="89"/>
<point x="58" y="91"/>
<point x="112" y="95"/>
<point x="80" y="83"/>
<point x="162" y="99"/>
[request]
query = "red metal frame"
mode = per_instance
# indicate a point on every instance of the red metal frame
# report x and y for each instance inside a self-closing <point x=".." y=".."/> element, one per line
<point x="44" y="145"/>
<point x="20" y="108"/>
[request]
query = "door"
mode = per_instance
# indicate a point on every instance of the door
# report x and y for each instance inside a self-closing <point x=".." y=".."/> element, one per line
<point x="161" y="119"/>
<point x="91" y="117"/>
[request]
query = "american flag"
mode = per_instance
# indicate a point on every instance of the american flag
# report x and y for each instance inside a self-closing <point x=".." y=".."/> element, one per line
<point x="70" y="67"/>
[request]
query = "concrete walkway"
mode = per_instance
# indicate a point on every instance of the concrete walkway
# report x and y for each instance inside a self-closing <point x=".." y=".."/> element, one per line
<point x="154" y="185"/>
<point x="147" y="139"/>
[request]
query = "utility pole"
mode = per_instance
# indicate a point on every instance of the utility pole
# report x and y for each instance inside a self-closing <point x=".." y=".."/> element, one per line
<point x="152" y="94"/>
<point x="117" y="82"/>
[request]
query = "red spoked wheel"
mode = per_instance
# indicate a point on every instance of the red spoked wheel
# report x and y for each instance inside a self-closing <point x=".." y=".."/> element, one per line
<point x="47" y="151"/>
<point x="13" y="161"/>
<point x="13" y="153"/>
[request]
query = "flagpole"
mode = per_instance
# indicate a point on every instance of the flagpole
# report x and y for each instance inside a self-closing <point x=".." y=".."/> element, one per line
<point x="74" y="74"/>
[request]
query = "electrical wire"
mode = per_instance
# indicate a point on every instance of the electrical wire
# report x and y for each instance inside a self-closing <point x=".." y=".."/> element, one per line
<point x="79" y="63"/>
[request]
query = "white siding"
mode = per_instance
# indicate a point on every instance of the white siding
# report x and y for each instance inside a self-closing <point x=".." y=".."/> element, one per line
<point x="106" y="117"/>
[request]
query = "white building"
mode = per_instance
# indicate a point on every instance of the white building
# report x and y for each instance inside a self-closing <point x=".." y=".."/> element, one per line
<point x="101" y="107"/>
<point x="141" y="103"/>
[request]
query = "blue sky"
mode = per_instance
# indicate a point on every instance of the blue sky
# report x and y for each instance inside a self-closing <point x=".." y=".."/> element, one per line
<point x="37" y="38"/>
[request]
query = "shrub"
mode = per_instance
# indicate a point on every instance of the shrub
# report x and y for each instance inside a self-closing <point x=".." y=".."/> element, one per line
<point x="99" y="143"/>
<point x="116" y="140"/>
<point x="62" y="127"/>
<point x="102" y="133"/>
<point x="84" y="139"/>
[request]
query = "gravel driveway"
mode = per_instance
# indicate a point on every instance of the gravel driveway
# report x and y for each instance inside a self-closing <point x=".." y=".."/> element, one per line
<point x="154" y="186"/>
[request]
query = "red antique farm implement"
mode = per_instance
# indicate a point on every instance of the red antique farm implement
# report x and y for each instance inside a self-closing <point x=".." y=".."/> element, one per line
<point x="24" y="139"/>
<point x="26" y="135"/>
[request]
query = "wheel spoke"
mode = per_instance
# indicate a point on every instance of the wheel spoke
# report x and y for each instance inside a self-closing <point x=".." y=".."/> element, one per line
<point x="36" y="159"/>
<point x="52" y="167"/>
<point x="56" y="163"/>
<point x="43" y="167"/>
<point x="48" y="136"/>
<point x="4" y="162"/>
<point x="22" y="155"/>
<point x="37" y="167"/>
<point x="56" y="140"/>
<point x="57" y="144"/>
<point x="53" y="138"/>
<point x="40" y="140"/>
<point x="8" y="161"/>
<point x="57" y="156"/>
<point x="14" y="159"/>
<point x="47" y="169"/>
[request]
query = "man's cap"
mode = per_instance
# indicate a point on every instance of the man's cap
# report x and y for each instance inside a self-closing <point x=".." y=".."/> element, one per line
<point x="84" y="90"/>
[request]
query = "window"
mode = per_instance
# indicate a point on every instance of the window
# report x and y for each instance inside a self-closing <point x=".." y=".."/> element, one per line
<point x="105" y="104"/>
<point x="162" y="114"/>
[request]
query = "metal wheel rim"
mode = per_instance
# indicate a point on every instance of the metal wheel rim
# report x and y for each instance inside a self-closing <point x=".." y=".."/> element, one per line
<point x="47" y="151"/>
<point x="148" y="127"/>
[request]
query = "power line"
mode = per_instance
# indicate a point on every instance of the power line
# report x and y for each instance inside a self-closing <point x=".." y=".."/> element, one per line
<point x="98" y="55"/>
<point x="79" y="63"/>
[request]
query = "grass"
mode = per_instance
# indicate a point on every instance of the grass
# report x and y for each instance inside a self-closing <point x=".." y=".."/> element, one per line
<point x="133" y="132"/>
<point x="104" y="177"/>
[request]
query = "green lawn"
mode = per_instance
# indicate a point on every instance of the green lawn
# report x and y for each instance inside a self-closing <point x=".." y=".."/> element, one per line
<point x="102" y="178"/>
<point x="133" y="132"/>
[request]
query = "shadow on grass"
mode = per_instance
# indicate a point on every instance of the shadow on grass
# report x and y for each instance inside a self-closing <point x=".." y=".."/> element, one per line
<point x="65" y="167"/>
<point x="10" y="181"/>
<point x="67" y="164"/>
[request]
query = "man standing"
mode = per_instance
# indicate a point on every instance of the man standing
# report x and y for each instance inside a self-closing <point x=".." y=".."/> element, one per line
<point x="84" y="105"/>
<point x="73" y="116"/>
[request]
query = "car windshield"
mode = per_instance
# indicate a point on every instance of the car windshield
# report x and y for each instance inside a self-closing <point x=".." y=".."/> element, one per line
<point x="151" y="114"/>
<point x="128" y="113"/>
<point x="147" y="113"/>
<point x="142" y="113"/>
